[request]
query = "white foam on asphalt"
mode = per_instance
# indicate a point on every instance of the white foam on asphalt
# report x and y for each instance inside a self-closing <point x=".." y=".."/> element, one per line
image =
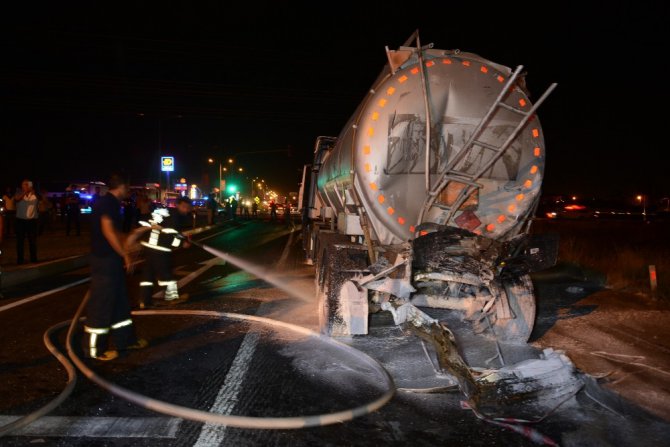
<point x="98" y="427"/>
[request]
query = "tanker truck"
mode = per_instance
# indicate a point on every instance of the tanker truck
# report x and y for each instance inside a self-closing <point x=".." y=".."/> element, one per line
<point x="424" y="201"/>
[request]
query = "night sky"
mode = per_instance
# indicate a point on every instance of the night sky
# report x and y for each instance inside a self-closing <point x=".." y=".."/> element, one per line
<point x="89" y="90"/>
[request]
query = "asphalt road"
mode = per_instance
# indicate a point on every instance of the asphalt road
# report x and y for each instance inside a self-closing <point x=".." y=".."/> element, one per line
<point x="231" y="366"/>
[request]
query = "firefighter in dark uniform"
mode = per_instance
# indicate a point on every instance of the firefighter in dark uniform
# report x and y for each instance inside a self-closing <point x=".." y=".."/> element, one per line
<point x="162" y="238"/>
<point x="108" y="308"/>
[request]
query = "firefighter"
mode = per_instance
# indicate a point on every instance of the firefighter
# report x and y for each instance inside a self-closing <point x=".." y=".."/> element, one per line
<point x="108" y="308"/>
<point x="162" y="239"/>
<point x="288" y="220"/>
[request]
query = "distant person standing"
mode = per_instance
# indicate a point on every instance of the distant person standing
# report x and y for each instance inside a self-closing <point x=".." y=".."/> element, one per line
<point x="62" y="206"/>
<point x="72" y="212"/>
<point x="108" y="307"/>
<point x="288" y="221"/>
<point x="273" y="211"/>
<point x="254" y="209"/>
<point x="212" y="208"/>
<point x="229" y="208"/>
<point x="95" y="196"/>
<point x="183" y="218"/>
<point x="10" y="211"/>
<point x="27" y="213"/>
<point x="233" y="207"/>
<point x="144" y="207"/>
<point x="226" y="208"/>
<point x="45" y="209"/>
<point x="129" y="211"/>
<point x="245" y="210"/>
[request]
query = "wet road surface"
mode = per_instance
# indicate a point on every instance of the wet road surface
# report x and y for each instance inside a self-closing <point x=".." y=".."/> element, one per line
<point x="251" y="369"/>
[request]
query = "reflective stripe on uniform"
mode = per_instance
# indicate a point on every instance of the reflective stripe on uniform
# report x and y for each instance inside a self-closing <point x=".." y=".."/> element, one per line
<point x="153" y="239"/>
<point x="169" y="231"/>
<point x="123" y="323"/>
<point x="167" y="283"/>
<point x="96" y="330"/>
<point x="144" y="224"/>
<point x="176" y="242"/>
<point x="146" y="284"/>
<point x="93" y="351"/>
<point x="172" y="292"/>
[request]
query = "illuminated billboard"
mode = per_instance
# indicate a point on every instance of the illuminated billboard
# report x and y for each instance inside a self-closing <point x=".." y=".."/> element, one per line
<point x="167" y="164"/>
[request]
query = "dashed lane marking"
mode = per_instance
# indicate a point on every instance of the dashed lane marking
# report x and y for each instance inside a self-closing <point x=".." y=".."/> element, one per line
<point x="226" y="399"/>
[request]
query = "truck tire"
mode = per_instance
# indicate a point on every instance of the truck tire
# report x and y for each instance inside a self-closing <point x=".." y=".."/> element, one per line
<point x="522" y="304"/>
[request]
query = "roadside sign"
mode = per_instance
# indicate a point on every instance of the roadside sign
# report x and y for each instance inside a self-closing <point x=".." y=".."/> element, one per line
<point x="167" y="164"/>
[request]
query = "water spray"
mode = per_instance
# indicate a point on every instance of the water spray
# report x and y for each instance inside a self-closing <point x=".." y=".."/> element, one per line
<point x="255" y="270"/>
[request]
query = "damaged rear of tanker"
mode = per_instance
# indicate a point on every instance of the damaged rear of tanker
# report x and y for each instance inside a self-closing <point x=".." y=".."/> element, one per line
<point x="424" y="200"/>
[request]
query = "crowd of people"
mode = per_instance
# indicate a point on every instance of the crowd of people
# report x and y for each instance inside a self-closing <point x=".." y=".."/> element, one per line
<point x="29" y="213"/>
<point x="233" y="209"/>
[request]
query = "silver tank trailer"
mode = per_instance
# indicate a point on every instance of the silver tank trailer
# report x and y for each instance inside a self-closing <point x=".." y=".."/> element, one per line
<point x="381" y="152"/>
<point x="432" y="183"/>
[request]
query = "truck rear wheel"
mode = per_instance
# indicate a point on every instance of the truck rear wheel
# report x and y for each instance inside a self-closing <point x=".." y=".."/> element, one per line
<point x="521" y="300"/>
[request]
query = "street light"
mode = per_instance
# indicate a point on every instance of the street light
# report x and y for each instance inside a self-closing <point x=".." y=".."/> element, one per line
<point x="642" y="199"/>
<point x="256" y="186"/>
<point x="211" y="161"/>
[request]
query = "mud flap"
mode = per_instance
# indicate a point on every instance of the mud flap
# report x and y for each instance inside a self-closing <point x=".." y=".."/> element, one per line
<point x="343" y="306"/>
<point x="353" y="309"/>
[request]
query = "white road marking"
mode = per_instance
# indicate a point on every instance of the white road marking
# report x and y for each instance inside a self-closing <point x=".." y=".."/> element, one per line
<point x="43" y="294"/>
<point x="98" y="427"/>
<point x="226" y="399"/>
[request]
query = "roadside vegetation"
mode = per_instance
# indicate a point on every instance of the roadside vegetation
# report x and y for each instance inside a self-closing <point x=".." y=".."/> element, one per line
<point x="622" y="250"/>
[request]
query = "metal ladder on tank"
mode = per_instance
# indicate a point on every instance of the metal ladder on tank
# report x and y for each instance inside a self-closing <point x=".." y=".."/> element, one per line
<point x="470" y="180"/>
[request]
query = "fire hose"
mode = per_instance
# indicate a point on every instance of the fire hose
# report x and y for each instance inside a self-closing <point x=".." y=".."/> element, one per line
<point x="192" y="413"/>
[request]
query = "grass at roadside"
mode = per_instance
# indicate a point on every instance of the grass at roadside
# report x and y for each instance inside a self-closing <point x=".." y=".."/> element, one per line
<point x="622" y="250"/>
